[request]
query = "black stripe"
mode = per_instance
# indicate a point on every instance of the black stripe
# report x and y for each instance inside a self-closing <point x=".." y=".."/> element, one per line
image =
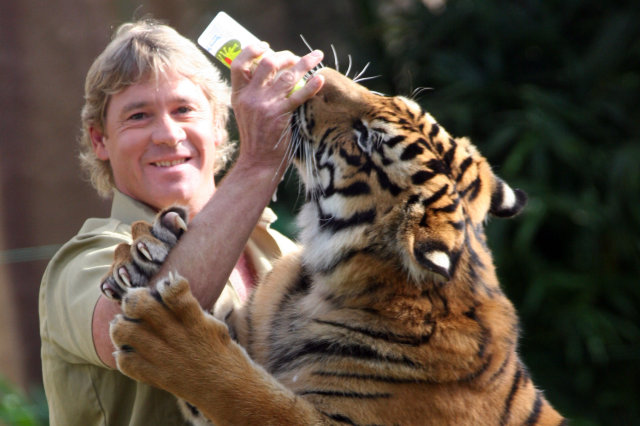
<point x="437" y="166"/>
<point x="411" y="152"/>
<point x="485" y="336"/>
<point x="339" y="418"/>
<point x="450" y="208"/>
<point x="193" y="409"/>
<point x="458" y="225"/>
<point x="326" y="134"/>
<point x="421" y="177"/>
<point x="156" y="295"/>
<point x="435" y="129"/>
<point x="412" y="200"/>
<point x="463" y="168"/>
<point x="335" y="224"/>
<point x="394" y="141"/>
<point x="474" y="255"/>
<point x="500" y="370"/>
<point x="454" y="258"/>
<point x="281" y="359"/>
<point x="474" y="188"/>
<point x="385" y="182"/>
<point x="436" y="196"/>
<point x="535" y="411"/>
<point x="344" y="394"/>
<point x="386" y="336"/>
<point x="311" y="124"/>
<point x="484" y="367"/>
<point x="372" y="377"/>
<point x="131" y="319"/>
<point x="126" y="349"/>
<point x="449" y="155"/>
<point x="360" y="127"/>
<point x="506" y="413"/>
<point x="343" y="257"/>
<point x="356" y="188"/>
<point x="352" y="160"/>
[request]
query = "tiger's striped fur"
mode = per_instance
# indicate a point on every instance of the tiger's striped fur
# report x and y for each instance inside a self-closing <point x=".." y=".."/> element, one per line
<point x="391" y="313"/>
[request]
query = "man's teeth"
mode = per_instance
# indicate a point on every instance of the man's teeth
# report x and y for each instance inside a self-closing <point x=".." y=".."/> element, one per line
<point x="169" y="163"/>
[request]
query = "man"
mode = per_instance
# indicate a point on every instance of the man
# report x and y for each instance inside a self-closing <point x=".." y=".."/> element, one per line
<point x="154" y="132"/>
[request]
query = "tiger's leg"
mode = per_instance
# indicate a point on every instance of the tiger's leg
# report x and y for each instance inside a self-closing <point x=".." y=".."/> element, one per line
<point x="165" y="339"/>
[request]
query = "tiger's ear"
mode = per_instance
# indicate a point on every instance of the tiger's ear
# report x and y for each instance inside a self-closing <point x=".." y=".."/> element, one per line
<point x="434" y="256"/>
<point x="505" y="201"/>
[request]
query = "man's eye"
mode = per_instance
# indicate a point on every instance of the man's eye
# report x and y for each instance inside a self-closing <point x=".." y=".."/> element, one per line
<point x="184" y="109"/>
<point x="137" y="116"/>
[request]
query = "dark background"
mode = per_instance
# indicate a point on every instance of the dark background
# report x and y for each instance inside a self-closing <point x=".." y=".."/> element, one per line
<point x="547" y="90"/>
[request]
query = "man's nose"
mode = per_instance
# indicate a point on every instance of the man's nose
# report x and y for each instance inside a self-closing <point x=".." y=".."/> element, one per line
<point x="167" y="131"/>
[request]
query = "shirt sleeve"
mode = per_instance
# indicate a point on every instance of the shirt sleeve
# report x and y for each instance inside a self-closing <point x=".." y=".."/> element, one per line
<point x="70" y="291"/>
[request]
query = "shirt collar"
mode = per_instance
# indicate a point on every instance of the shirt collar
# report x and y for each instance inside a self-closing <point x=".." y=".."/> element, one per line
<point x="128" y="210"/>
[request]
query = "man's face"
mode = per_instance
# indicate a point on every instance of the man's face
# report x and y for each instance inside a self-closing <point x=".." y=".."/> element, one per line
<point x="160" y="140"/>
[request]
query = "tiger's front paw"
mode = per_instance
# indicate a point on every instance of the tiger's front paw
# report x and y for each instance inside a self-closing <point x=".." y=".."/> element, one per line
<point x="135" y="264"/>
<point x="164" y="338"/>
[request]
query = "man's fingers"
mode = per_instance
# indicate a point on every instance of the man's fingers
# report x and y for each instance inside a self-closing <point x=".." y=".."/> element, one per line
<point x="304" y="65"/>
<point x="312" y="86"/>
<point x="271" y="67"/>
<point x="262" y="67"/>
<point x="287" y="79"/>
<point x="244" y="64"/>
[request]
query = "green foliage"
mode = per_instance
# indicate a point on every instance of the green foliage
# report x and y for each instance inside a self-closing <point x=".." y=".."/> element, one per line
<point x="18" y="410"/>
<point x="548" y="91"/>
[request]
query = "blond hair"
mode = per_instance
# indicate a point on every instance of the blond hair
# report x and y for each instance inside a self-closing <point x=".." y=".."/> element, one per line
<point x="138" y="51"/>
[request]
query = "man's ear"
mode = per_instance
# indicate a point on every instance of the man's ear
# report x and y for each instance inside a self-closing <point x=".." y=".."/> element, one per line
<point x="221" y="135"/>
<point x="97" y="141"/>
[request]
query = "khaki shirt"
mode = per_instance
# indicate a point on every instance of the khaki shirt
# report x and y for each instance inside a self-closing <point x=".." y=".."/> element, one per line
<point x="80" y="388"/>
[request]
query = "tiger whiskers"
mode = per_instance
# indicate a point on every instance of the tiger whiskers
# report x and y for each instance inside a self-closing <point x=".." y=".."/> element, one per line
<point x="358" y="78"/>
<point x="415" y="94"/>
<point x="306" y="155"/>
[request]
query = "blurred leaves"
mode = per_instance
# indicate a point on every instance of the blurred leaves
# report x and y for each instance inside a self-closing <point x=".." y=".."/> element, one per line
<point x="18" y="410"/>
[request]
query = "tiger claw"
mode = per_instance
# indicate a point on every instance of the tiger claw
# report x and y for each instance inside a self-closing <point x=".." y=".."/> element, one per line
<point x="180" y="223"/>
<point x="124" y="276"/>
<point x="142" y="248"/>
<point x="108" y="291"/>
<point x="174" y="221"/>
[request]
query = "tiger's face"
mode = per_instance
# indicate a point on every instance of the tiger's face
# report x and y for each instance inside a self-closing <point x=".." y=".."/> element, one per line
<point x="381" y="173"/>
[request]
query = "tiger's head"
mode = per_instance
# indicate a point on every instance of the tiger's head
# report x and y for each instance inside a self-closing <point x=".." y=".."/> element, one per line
<point x="382" y="177"/>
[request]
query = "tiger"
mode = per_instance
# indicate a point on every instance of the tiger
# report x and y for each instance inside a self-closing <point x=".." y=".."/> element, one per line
<point x="389" y="313"/>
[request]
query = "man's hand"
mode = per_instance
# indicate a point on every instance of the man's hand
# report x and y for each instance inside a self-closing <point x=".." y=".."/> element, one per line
<point x="262" y="81"/>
